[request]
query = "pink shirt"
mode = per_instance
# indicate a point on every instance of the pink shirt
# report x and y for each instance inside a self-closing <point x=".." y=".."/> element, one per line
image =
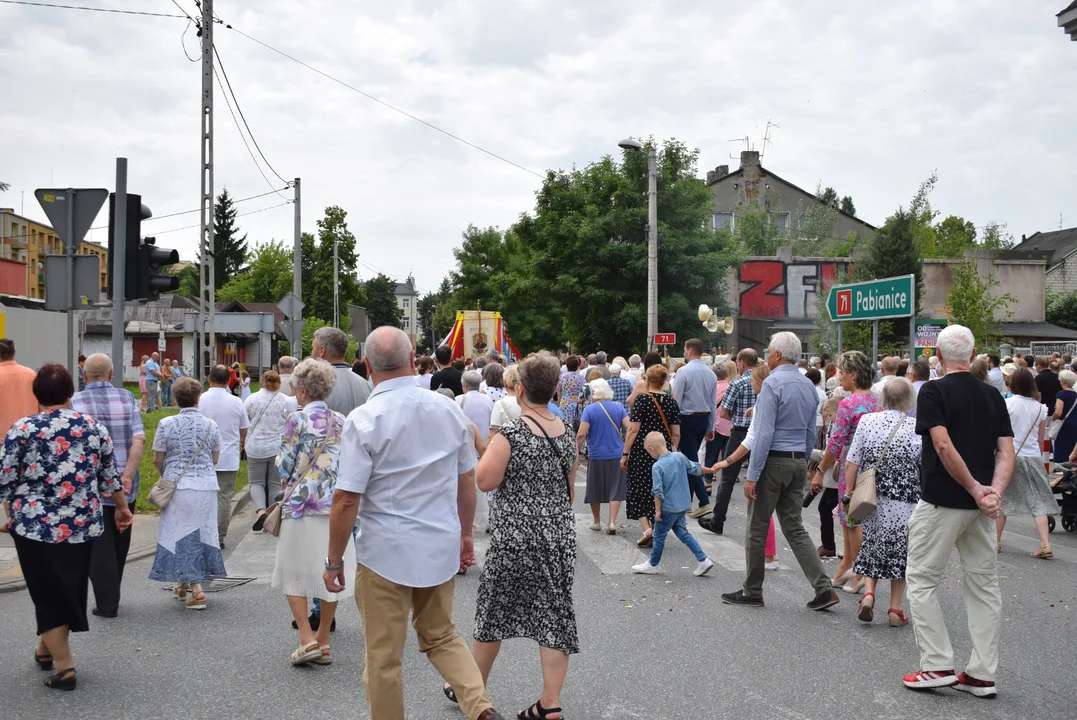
<point x="17" y="389"/>
<point x="721" y="425"/>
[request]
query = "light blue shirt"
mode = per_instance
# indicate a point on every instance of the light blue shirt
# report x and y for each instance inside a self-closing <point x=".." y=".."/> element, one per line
<point x="150" y="367"/>
<point x="784" y="417"/>
<point x="696" y="390"/>
<point x="670" y="481"/>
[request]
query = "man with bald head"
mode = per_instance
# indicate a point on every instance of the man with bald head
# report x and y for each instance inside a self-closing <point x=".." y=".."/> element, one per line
<point x="406" y="453"/>
<point x="117" y="409"/>
<point x="889" y="368"/>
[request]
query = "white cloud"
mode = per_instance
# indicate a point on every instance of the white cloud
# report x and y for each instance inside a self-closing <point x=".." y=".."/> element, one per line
<point x="870" y="99"/>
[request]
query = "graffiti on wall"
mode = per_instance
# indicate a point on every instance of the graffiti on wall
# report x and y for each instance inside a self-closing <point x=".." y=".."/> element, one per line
<point x="775" y="289"/>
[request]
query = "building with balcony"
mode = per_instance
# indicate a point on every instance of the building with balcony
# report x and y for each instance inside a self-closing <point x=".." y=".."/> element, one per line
<point x="24" y="243"/>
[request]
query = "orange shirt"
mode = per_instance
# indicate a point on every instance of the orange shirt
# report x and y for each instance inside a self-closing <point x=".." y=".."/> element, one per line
<point x="16" y="394"/>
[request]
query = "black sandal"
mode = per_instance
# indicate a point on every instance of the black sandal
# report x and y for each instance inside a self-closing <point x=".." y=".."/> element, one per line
<point x="529" y="713"/>
<point x="63" y="680"/>
<point x="450" y="693"/>
<point x="43" y="661"/>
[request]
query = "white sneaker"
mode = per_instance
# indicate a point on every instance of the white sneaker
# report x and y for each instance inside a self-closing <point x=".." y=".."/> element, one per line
<point x="703" y="568"/>
<point x="645" y="568"/>
<point x="595" y="526"/>
<point x="772" y="565"/>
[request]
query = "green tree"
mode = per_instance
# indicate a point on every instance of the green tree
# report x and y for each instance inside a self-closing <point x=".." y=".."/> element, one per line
<point x="479" y="259"/>
<point x="4" y="187"/>
<point x="923" y="231"/>
<point x="829" y="196"/>
<point x="953" y="236"/>
<point x="229" y="249"/>
<point x="972" y="302"/>
<point x="318" y="266"/>
<point x="266" y="280"/>
<point x="381" y="306"/>
<point x="1062" y="309"/>
<point x="190" y="282"/>
<point x="847" y="206"/>
<point x="996" y="237"/>
<point x="893" y="252"/>
<point x="755" y="230"/>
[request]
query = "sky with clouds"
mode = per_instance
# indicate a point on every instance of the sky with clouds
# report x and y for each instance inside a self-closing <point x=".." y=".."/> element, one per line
<point x="869" y="98"/>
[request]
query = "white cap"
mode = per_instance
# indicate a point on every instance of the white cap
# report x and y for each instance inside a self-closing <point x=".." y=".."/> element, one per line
<point x="615" y="368"/>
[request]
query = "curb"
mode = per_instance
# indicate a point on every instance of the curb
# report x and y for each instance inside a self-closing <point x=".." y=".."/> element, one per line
<point x="238" y="503"/>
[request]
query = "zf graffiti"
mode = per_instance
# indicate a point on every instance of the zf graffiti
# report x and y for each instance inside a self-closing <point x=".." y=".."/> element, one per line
<point x="773" y="289"/>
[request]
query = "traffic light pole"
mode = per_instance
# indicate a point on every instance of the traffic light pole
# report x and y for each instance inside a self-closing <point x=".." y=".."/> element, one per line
<point x="118" y="258"/>
<point x="297" y="275"/>
<point x="72" y="318"/>
<point x="207" y="296"/>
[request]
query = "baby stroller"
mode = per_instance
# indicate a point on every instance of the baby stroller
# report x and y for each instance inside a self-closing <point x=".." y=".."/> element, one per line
<point x="1065" y="491"/>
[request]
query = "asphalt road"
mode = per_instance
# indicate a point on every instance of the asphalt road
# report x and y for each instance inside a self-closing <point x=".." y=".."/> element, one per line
<point x="652" y="647"/>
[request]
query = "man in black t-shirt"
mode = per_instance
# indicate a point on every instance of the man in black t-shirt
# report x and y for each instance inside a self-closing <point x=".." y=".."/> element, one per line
<point x="1047" y="383"/>
<point x="967" y="463"/>
<point x="446" y="376"/>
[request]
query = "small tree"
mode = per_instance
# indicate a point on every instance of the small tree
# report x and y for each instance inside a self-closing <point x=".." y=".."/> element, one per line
<point x="1062" y="309"/>
<point x="973" y="303"/>
<point x="381" y="306"/>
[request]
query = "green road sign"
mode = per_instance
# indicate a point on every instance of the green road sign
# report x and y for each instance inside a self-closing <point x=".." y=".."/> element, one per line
<point x="873" y="300"/>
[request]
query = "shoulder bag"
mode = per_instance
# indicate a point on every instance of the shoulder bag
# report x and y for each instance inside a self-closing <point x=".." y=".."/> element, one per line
<point x="865" y="498"/>
<point x="274" y="518"/>
<point x="1036" y="421"/>
<point x="557" y="452"/>
<point x="250" y="430"/>
<point x="161" y="493"/>
<point x="669" y="433"/>
<point x="1056" y="425"/>
<point x="608" y="417"/>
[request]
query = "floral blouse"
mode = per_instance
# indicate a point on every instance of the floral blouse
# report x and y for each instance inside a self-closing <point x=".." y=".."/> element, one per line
<point x="850" y="411"/>
<point x="54" y="468"/>
<point x="312" y="433"/>
<point x="570" y="390"/>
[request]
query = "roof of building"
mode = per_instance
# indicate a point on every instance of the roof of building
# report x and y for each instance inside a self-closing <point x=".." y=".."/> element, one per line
<point x="779" y="178"/>
<point x="141" y="318"/>
<point x="1036" y="331"/>
<point x="406" y="288"/>
<point x="1052" y="246"/>
<point x="1072" y="6"/>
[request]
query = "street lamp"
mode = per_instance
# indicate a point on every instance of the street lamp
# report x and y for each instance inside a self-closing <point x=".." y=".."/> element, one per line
<point x="652" y="233"/>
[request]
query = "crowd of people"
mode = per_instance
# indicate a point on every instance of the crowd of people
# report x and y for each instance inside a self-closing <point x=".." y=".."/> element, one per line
<point x="950" y="446"/>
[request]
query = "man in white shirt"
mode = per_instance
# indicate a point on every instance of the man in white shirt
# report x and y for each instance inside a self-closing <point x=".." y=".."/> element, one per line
<point x="407" y="455"/>
<point x="888" y="367"/>
<point x="225" y="409"/>
<point x="351" y="391"/>
<point x="285" y="366"/>
<point x="634" y="368"/>
<point x="994" y="375"/>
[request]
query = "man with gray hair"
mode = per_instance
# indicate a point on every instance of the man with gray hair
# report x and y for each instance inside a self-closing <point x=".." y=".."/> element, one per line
<point x="889" y="369"/>
<point x="285" y="366"/>
<point x="967" y="462"/>
<point x="600" y="363"/>
<point x="634" y="368"/>
<point x="778" y="471"/>
<point x="351" y="391"/>
<point x="415" y="502"/>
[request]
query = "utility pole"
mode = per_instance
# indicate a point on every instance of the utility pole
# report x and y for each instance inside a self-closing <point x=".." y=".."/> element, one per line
<point x="652" y="244"/>
<point x="336" y="287"/>
<point x="297" y="272"/>
<point x="118" y="258"/>
<point x="207" y="295"/>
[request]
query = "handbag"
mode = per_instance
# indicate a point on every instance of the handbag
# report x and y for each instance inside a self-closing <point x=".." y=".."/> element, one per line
<point x="865" y="498"/>
<point x="669" y="433"/>
<point x="161" y="493"/>
<point x="1056" y="425"/>
<point x="274" y="516"/>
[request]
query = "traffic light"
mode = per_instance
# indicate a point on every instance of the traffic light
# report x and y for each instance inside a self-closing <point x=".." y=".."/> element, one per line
<point x="136" y="213"/>
<point x="150" y="259"/>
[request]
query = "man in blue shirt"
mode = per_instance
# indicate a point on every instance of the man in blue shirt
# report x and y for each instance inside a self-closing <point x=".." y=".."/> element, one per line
<point x="777" y="473"/>
<point x="696" y="391"/>
<point x="153" y="379"/>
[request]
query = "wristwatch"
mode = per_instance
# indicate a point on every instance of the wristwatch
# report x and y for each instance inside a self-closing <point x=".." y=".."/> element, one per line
<point x="333" y="568"/>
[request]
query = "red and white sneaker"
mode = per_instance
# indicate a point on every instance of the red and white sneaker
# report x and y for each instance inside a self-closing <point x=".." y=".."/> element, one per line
<point x="979" y="688"/>
<point x="930" y="679"/>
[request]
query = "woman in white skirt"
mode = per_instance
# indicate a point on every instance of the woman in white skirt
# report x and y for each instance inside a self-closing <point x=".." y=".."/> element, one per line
<point x="1029" y="492"/>
<point x="185" y="449"/>
<point x="308" y="461"/>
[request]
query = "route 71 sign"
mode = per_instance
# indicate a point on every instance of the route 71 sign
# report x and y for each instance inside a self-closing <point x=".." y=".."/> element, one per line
<point x="873" y="300"/>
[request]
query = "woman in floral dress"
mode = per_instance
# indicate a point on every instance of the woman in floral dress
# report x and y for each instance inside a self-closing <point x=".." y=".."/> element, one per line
<point x="855" y="377"/>
<point x="55" y="467"/>
<point x="570" y="393"/>
<point x="308" y="463"/>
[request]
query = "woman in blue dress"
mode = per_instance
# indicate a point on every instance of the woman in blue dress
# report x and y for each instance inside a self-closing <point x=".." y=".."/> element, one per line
<point x="1064" y="400"/>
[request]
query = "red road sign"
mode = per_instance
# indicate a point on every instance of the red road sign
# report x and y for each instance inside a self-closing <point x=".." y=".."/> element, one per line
<point x="845" y="303"/>
<point x="665" y="339"/>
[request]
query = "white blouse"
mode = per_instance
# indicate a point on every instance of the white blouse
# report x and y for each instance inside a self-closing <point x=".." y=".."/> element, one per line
<point x="1025" y="416"/>
<point x="267" y="411"/>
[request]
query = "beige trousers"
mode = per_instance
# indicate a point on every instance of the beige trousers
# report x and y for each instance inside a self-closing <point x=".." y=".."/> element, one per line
<point x="933" y="533"/>
<point x="384" y="607"/>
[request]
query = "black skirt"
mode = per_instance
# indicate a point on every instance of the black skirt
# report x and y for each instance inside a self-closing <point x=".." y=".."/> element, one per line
<point x="58" y="578"/>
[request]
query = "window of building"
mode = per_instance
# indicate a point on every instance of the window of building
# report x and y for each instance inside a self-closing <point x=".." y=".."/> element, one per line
<point x="723" y="220"/>
<point x="407" y="302"/>
<point x="407" y="322"/>
<point x="782" y="220"/>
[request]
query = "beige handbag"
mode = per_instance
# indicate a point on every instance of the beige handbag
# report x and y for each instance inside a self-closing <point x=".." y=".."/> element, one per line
<point x="161" y="493"/>
<point x="274" y="518"/>
<point x="865" y="499"/>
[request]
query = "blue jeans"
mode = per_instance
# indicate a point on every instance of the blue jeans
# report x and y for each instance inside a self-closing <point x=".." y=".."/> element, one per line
<point x="166" y="394"/>
<point x="693" y="431"/>
<point x="675" y="522"/>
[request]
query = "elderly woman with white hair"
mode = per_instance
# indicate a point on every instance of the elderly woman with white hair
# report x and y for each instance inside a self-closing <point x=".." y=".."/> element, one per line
<point x="476" y="405"/>
<point x="308" y="464"/>
<point x="1065" y="400"/>
<point x="602" y="427"/>
<point x="887" y="441"/>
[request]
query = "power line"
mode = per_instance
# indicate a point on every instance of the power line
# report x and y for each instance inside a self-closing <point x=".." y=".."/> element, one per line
<point x="239" y="109"/>
<point x="386" y="104"/>
<point x="180" y="7"/>
<point x="90" y="9"/>
<point x="242" y="136"/>
<point x="252" y="212"/>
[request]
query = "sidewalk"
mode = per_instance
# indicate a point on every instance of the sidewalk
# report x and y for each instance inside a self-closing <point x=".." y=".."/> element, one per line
<point x="143" y="544"/>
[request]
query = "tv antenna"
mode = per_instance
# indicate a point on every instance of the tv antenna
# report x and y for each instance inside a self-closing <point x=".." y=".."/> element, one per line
<point x="766" y="137"/>
<point x="747" y="145"/>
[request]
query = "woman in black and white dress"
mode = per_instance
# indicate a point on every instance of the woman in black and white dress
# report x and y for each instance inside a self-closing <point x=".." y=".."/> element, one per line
<point x="897" y="484"/>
